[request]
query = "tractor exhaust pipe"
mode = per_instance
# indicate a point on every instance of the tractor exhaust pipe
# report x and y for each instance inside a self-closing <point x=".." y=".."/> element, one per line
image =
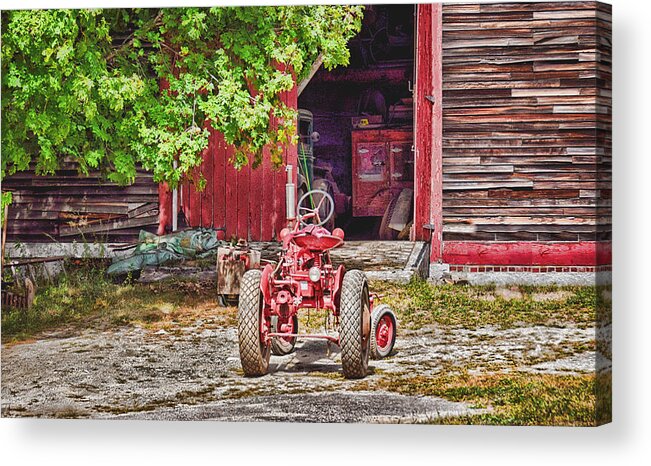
<point x="290" y="195"/>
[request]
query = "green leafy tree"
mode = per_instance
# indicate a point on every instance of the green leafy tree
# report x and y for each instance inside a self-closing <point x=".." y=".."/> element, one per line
<point x="111" y="89"/>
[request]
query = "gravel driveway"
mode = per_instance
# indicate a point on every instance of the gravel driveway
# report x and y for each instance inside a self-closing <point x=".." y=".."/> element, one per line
<point x="193" y="373"/>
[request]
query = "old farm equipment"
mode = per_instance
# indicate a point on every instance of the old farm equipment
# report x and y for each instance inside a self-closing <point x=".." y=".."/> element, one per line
<point x="232" y="262"/>
<point x="305" y="278"/>
<point x="316" y="175"/>
<point x="382" y="175"/>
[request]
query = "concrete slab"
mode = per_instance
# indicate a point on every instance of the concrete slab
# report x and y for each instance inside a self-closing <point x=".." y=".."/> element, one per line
<point x="381" y="260"/>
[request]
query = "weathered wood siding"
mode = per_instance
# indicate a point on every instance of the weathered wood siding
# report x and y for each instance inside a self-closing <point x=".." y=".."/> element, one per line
<point x="526" y="121"/>
<point x="68" y="207"/>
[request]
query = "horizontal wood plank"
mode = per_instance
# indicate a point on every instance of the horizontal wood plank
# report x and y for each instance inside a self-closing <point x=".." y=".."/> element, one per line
<point x="527" y="91"/>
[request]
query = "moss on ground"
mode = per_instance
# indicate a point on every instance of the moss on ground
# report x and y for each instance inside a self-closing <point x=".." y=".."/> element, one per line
<point x="511" y="398"/>
<point x="420" y="303"/>
<point x="186" y="397"/>
<point x="84" y="297"/>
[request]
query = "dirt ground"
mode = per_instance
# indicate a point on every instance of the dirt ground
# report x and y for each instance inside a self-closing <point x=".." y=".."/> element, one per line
<point x="193" y="373"/>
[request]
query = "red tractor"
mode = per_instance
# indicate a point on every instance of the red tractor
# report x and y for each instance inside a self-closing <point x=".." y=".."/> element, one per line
<point x="304" y="278"/>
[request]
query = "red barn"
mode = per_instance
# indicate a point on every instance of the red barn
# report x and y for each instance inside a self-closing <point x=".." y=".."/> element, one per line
<point x="508" y="109"/>
<point x="502" y="109"/>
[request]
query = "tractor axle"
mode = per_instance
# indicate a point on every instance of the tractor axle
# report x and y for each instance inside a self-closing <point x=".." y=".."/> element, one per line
<point x="308" y="336"/>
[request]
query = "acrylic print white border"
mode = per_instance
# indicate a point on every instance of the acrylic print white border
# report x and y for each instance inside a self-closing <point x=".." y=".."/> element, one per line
<point x="622" y="442"/>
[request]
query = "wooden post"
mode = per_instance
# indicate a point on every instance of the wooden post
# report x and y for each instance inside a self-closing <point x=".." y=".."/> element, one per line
<point x="436" y="205"/>
<point x="315" y="67"/>
<point x="4" y="233"/>
<point x="164" y="208"/>
<point x="428" y="186"/>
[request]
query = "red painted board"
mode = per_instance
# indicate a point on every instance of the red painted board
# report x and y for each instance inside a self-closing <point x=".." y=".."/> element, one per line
<point x="267" y="199"/>
<point x="207" y="214"/>
<point x="255" y="204"/>
<point x="219" y="179"/>
<point x="184" y="200"/>
<point x="231" y="193"/>
<point x="278" y="217"/>
<point x="527" y="253"/>
<point x="243" y="185"/>
<point x="194" y="217"/>
<point x="291" y="158"/>
<point x="436" y="187"/>
<point x="428" y="183"/>
<point x="422" y="122"/>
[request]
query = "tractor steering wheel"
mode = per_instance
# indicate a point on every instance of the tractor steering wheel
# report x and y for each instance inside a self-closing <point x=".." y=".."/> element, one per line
<point x="317" y="198"/>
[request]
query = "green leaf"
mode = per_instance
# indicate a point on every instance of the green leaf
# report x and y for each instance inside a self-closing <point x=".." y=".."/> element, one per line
<point x="85" y="83"/>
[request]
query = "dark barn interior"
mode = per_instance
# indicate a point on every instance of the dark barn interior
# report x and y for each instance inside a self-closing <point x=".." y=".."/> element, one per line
<point x="371" y="101"/>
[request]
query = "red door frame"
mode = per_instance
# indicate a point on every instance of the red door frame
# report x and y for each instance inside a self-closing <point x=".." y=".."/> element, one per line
<point x="428" y="129"/>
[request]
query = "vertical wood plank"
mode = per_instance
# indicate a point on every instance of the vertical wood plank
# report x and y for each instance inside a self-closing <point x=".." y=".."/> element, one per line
<point x="436" y="165"/>
<point x="423" y="121"/>
<point x="268" y="191"/>
<point x="279" y="180"/>
<point x="290" y="98"/>
<point x="184" y="201"/>
<point x="255" y="204"/>
<point x="219" y="180"/>
<point x="164" y="208"/>
<point x="231" y="194"/>
<point x="207" y="215"/>
<point x="194" y="218"/>
<point x="243" y="184"/>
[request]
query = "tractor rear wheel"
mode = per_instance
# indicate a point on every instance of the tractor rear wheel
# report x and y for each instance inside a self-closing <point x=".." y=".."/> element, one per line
<point x="254" y="352"/>
<point x="354" y="325"/>
<point x="281" y="346"/>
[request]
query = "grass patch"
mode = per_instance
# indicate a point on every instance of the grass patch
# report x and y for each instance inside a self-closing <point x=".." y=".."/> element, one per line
<point x="514" y="399"/>
<point x="187" y="397"/>
<point x="84" y="297"/>
<point x="420" y="303"/>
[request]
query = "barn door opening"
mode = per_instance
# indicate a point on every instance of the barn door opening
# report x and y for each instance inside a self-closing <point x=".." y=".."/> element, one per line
<point x="357" y="128"/>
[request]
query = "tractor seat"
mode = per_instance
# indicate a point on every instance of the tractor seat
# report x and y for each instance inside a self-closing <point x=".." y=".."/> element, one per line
<point x="315" y="238"/>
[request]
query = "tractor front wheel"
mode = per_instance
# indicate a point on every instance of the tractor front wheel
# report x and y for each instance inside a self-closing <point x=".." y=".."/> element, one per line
<point x="383" y="331"/>
<point x="251" y="326"/>
<point x="280" y="346"/>
<point x="354" y="324"/>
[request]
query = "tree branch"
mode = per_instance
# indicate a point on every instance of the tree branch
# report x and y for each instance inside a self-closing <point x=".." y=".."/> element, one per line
<point x="129" y="41"/>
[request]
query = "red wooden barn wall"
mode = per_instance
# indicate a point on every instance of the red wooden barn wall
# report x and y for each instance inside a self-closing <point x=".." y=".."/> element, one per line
<point x="249" y="203"/>
<point x="526" y="133"/>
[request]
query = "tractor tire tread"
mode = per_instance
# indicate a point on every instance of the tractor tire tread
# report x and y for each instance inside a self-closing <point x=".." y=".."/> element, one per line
<point x="255" y="361"/>
<point x="353" y="290"/>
